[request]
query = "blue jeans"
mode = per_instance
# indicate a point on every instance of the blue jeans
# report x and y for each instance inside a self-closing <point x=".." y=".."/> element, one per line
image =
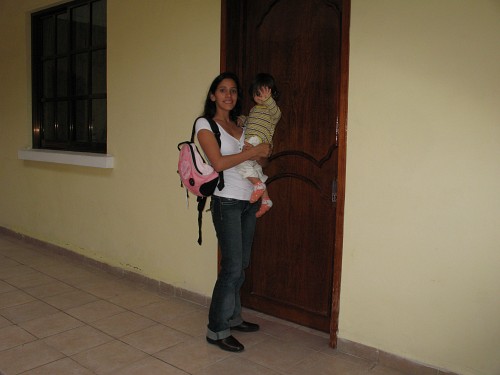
<point x="234" y="222"/>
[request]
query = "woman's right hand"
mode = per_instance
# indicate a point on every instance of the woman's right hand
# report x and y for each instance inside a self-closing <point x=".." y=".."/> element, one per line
<point x="262" y="150"/>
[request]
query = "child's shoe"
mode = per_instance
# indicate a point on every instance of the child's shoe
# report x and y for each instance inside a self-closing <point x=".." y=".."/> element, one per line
<point x="265" y="206"/>
<point x="258" y="189"/>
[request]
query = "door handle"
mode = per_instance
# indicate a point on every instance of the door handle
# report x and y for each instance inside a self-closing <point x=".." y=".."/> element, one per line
<point x="334" y="191"/>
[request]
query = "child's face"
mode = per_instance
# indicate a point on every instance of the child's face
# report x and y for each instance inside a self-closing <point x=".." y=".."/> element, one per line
<point x="256" y="97"/>
<point x="262" y="94"/>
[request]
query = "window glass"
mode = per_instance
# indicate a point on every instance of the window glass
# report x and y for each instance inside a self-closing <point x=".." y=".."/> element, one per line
<point x="62" y="121"/>
<point x="81" y="121"/>
<point x="69" y="76"/>
<point x="80" y="21"/>
<point x="48" y="33"/>
<point x="99" y="23"/>
<point x="48" y="122"/>
<point x="81" y="74"/>
<point x="49" y="75"/>
<point x="62" y="33"/>
<point x="99" y="120"/>
<point x="99" y="72"/>
<point x="62" y="77"/>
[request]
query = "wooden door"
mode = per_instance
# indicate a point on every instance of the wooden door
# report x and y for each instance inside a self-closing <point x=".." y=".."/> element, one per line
<point x="295" y="265"/>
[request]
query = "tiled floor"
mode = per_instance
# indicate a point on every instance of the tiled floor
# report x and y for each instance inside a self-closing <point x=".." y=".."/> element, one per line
<point x="61" y="317"/>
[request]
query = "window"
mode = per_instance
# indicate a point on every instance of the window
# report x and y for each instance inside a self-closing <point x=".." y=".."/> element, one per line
<point x="69" y="77"/>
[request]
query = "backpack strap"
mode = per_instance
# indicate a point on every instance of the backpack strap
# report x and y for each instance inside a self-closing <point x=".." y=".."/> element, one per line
<point x="215" y="129"/>
<point x="201" y="206"/>
<point x="203" y="200"/>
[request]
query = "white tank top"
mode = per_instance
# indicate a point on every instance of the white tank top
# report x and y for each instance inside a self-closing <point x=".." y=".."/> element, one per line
<point x="235" y="186"/>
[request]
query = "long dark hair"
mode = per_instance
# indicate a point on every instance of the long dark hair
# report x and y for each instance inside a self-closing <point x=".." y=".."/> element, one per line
<point x="210" y="108"/>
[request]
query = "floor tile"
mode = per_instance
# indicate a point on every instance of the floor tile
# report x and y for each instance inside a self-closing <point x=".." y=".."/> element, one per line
<point x="65" y="270"/>
<point x="17" y="270"/>
<point x="93" y="311"/>
<point x="14" y="298"/>
<point x="192" y="323"/>
<point x="29" y="280"/>
<point x="26" y="357"/>
<point x="48" y="290"/>
<point x="122" y="324"/>
<point x="166" y="310"/>
<point x="65" y="366"/>
<point x="135" y="298"/>
<point x="277" y="355"/>
<point x="305" y="338"/>
<point x="13" y="336"/>
<point x="271" y="326"/>
<point x="381" y="370"/>
<point x="59" y="316"/>
<point x="4" y="287"/>
<point x="193" y="355"/>
<point x="24" y="252"/>
<point x="149" y="366"/>
<point x="70" y="299"/>
<point x="51" y="324"/>
<point x="5" y="241"/>
<point x="249" y="340"/>
<point x="236" y="365"/>
<point x="40" y="263"/>
<point x="28" y="311"/>
<point x="403" y="365"/>
<point x="72" y="274"/>
<point x="107" y="289"/>
<point x="323" y="364"/>
<point x="156" y="338"/>
<point x="109" y="357"/>
<point x="6" y="262"/>
<point x="21" y="253"/>
<point x="77" y="340"/>
<point x="4" y="322"/>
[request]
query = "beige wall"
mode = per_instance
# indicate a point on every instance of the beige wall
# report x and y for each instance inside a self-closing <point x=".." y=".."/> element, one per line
<point x="162" y="56"/>
<point x="422" y="208"/>
<point x="421" y="262"/>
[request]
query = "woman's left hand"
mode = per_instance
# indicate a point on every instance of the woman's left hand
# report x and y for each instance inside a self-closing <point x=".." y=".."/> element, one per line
<point x="264" y="150"/>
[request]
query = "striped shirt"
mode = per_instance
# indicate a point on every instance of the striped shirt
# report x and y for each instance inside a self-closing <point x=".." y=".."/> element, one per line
<point x="262" y="120"/>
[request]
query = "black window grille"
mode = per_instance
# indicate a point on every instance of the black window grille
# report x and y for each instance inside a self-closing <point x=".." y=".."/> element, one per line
<point x="69" y="77"/>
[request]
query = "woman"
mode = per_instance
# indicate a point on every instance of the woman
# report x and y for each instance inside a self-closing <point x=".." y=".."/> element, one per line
<point x="232" y="213"/>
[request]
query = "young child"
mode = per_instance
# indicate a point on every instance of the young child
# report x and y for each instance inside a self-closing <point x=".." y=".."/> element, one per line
<point x="259" y="128"/>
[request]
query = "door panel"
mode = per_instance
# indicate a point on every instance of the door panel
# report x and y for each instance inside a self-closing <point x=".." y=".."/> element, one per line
<point x="298" y="42"/>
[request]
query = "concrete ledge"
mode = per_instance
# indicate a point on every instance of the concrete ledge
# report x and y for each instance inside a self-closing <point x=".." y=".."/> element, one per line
<point x="84" y="159"/>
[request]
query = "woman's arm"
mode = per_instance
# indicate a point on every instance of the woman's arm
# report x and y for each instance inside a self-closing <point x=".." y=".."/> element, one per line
<point x="263" y="162"/>
<point x="219" y="162"/>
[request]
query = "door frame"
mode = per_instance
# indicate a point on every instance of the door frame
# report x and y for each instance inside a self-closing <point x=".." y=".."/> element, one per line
<point x="226" y="56"/>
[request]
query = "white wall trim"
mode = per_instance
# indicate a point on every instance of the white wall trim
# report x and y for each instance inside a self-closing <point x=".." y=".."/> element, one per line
<point x="85" y="159"/>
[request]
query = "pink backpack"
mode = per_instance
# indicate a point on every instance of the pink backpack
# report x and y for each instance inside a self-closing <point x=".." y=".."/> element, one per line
<point x="196" y="175"/>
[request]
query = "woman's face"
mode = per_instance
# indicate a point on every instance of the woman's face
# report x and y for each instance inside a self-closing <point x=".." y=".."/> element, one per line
<point x="226" y="95"/>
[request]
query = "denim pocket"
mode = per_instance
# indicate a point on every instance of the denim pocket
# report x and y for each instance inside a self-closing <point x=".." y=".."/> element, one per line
<point x="222" y="207"/>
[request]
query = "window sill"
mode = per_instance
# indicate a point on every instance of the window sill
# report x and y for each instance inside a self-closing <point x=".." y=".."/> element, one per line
<point x="85" y="159"/>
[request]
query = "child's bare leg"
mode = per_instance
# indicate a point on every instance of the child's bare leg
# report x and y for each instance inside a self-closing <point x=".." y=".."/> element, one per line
<point x="266" y="195"/>
<point x="259" y="188"/>
<point x="265" y="204"/>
